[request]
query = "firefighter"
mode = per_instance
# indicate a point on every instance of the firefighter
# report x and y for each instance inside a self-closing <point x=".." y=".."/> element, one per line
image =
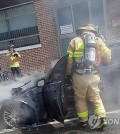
<point x="13" y="59"/>
<point x="86" y="51"/>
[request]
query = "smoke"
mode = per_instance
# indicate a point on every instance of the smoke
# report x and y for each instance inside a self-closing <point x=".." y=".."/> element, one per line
<point x="110" y="75"/>
<point x="5" y="87"/>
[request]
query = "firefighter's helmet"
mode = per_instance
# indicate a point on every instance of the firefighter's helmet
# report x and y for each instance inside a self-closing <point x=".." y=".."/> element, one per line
<point x="10" y="46"/>
<point x="88" y="27"/>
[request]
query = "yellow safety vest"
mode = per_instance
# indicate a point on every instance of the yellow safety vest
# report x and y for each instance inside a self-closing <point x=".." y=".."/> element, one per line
<point x="13" y="61"/>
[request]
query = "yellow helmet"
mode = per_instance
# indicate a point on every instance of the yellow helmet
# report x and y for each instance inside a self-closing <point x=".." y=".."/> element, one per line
<point x="88" y="27"/>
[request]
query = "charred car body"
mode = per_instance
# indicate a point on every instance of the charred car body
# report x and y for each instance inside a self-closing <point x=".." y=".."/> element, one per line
<point x="50" y="98"/>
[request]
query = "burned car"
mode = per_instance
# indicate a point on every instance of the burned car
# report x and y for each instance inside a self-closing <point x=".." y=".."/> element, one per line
<point x="50" y="98"/>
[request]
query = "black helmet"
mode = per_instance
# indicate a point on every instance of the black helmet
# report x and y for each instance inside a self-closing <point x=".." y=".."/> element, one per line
<point x="10" y="46"/>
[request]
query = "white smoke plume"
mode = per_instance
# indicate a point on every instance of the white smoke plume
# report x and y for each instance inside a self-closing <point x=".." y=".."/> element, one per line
<point x="110" y="75"/>
<point x="5" y="87"/>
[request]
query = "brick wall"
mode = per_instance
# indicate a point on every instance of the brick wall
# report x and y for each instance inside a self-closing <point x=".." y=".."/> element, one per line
<point x="113" y="19"/>
<point x="36" y="59"/>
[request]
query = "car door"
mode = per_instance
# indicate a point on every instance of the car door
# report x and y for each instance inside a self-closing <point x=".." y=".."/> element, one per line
<point x="53" y="93"/>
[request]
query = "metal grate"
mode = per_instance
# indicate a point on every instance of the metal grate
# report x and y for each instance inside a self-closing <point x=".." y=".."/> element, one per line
<point x="27" y="41"/>
<point x="18" y="25"/>
<point x="21" y="42"/>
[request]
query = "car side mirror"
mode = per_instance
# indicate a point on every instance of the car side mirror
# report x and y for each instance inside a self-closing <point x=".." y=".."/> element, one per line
<point x="41" y="83"/>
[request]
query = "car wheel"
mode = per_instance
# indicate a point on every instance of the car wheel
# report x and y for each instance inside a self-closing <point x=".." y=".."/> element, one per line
<point x="18" y="115"/>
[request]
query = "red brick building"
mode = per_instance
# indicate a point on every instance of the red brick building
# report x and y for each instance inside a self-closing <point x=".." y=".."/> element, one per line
<point x="41" y="29"/>
<point x="41" y="52"/>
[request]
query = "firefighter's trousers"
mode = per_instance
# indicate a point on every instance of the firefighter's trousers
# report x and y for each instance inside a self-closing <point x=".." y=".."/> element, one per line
<point x="86" y="87"/>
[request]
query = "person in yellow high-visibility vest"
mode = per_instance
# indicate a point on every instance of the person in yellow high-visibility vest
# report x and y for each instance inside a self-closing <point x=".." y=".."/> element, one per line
<point x="85" y="85"/>
<point x="13" y="59"/>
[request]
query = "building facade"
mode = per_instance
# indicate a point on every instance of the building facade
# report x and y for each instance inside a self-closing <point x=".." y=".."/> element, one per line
<point x="30" y="26"/>
<point x="42" y="29"/>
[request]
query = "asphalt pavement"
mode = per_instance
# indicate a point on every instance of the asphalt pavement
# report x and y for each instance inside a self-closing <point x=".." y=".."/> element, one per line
<point x="70" y="127"/>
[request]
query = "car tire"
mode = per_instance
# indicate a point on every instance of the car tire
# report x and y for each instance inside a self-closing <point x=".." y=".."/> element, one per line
<point x="24" y="117"/>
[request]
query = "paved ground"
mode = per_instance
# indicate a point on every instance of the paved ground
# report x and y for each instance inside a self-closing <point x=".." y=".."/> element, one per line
<point x="112" y="128"/>
<point x="70" y="127"/>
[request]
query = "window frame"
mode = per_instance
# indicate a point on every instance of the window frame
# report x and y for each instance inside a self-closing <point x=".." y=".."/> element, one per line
<point x="57" y="20"/>
<point x="12" y="39"/>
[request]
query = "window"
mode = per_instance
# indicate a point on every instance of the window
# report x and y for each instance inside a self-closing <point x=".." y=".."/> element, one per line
<point x="97" y="14"/>
<point x="65" y="16"/>
<point x="65" y="20"/>
<point x="18" y="26"/>
<point x="81" y="14"/>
